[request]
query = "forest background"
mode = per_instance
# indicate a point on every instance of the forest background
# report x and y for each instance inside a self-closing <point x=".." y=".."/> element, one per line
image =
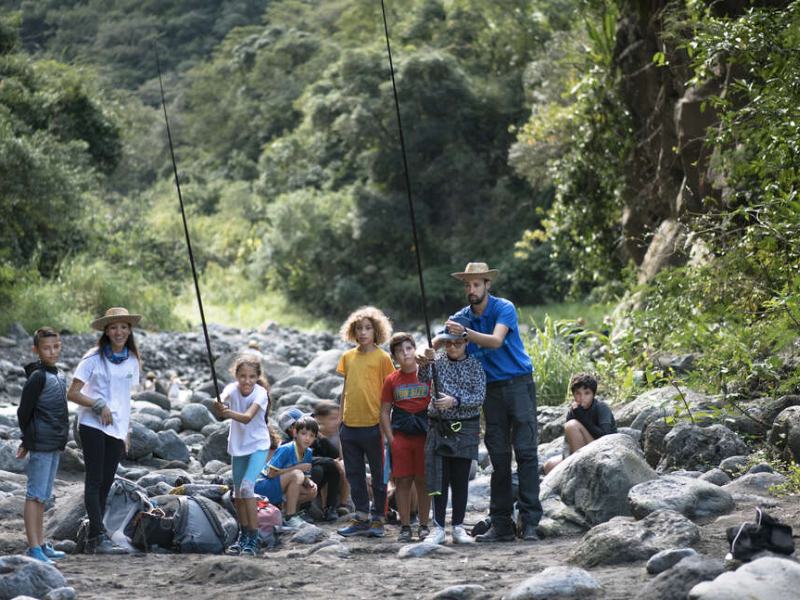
<point x="609" y="152"/>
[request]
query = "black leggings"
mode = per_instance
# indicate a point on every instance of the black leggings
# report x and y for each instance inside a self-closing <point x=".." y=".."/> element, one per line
<point x="101" y="455"/>
<point x="455" y="476"/>
<point x="324" y="471"/>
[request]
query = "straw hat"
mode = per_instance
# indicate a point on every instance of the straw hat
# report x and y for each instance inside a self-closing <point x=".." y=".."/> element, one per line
<point x="115" y="314"/>
<point x="476" y="270"/>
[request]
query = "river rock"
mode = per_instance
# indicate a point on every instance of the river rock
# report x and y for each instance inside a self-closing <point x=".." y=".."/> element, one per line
<point x="465" y="591"/>
<point x="143" y="441"/>
<point x="734" y="465"/>
<point x="716" y="476"/>
<point x="152" y="422"/>
<point x="666" y="559"/>
<point x="61" y="522"/>
<point x="151" y="409"/>
<point x="554" y="428"/>
<point x="23" y="576"/>
<point x="195" y="417"/>
<point x="324" y="387"/>
<point x="557" y="582"/>
<point x="171" y="447"/>
<point x="326" y="361"/>
<point x="785" y="434"/>
<point x="173" y="423"/>
<point x="652" y="441"/>
<point x="659" y="401"/>
<point x="424" y="549"/>
<point x="152" y="397"/>
<point x="772" y="408"/>
<point x="623" y="540"/>
<point x="595" y="481"/>
<point x="692" y="498"/>
<point x="757" y="484"/>
<point x="8" y="460"/>
<point x="17" y="331"/>
<point x="768" y="578"/>
<point x="675" y="583"/>
<point x="308" y="534"/>
<point x="760" y="468"/>
<point x="216" y="447"/>
<point x="71" y="461"/>
<point x="62" y="593"/>
<point x="696" y="448"/>
<point x="11" y="508"/>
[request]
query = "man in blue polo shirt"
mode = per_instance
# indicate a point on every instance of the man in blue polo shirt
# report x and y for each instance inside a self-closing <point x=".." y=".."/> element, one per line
<point x="510" y="406"/>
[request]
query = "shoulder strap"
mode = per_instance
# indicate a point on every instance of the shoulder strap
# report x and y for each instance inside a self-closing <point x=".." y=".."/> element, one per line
<point x="212" y="518"/>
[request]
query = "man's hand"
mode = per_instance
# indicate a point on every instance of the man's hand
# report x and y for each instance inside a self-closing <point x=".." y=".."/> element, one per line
<point x="455" y="328"/>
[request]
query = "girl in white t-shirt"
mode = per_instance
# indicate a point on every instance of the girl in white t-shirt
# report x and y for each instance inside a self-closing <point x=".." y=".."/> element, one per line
<point x="246" y="403"/>
<point x="102" y="387"/>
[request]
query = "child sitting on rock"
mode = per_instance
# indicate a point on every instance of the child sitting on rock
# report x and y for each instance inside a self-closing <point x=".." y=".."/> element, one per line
<point x="43" y="419"/>
<point x="587" y="418"/>
<point x="287" y="478"/>
<point x="327" y="415"/>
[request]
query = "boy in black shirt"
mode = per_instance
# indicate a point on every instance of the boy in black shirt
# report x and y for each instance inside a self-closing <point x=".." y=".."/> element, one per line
<point x="587" y="417"/>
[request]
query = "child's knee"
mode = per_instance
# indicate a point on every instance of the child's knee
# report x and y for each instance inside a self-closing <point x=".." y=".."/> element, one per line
<point x="246" y="489"/>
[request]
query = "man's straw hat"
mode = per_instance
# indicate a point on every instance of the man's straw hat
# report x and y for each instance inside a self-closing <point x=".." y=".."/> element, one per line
<point x="113" y="315"/>
<point x="476" y="269"/>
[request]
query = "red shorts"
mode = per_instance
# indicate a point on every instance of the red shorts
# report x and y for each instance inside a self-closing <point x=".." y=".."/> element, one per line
<point x="408" y="454"/>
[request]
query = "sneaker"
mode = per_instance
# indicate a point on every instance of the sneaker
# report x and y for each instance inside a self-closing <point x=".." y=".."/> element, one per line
<point x="102" y="544"/>
<point x="405" y="534"/>
<point x="376" y="528"/>
<point x="293" y="522"/>
<point x="423" y="532"/>
<point x="305" y="516"/>
<point x="235" y="549"/>
<point x="460" y="536"/>
<point x="39" y="555"/>
<point x="330" y="514"/>
<point x="437" y="537"/>
<point x="51" y="552"/>
<point x="343" y="510"/>
<point x="250" y="547"/>
<point x="355" y="527"/>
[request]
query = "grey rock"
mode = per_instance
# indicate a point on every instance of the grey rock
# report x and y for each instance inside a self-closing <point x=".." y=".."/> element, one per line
<point x="766" y="578"/>
<point x="634" y="434"/>
<point x="207" y="388"/>
<point x="301" y="379"/>
<point x="624" y="540"/>
<point x="11" y="508"/>
<point x="560" y="519"/>
<point x="760" y="468"/>
<point x="675" y="583"/>
<point x="785" y="434"/>
<point x="171" y="446"/>
<point x="734" y="465"/>
<point x="659" y="398"/>
<point x="23" y="576"/>
<point x="689" y="474"/>
<point x="424" y="549"/>
<point x="557" y="582"/>
<point x="716" y="476"/>
<point x="152" y="422"/>
<point x="159" y="400"/>
<point x="276" y="370"/>
<point x="666" y="559"/>
<point x="71" y="461"/>
<point x="554" y="428"/>
<point x="17" y="331"/>
<point x="652" y="440"/>
<point x="143" y="441"/>
<point x="692" y="498"/>
<point x="211" y="428"/>
<point x="214" y="466"/>
<point x="7" y="342"/>
<point x="216" y="447"/>
<point x="67" y="546"/>
<point x="162" y="488"/>
<point x="756" y="483"/>
<point x="326" y="361"/>
<point x="773" y="408"/>
<point x="696" y="448"/>
<point x="8" y="460"/>
<point x="173" y="423"/>
<point x="683" y="363"/>
<point x="62" y="521"/>
<point x="191" y="438"/>
<point x="62" y="593"/>
<point x="596" y="480"/>
<point x="323" y="388"/>
<point x="196" y="416"/>
<point x="309" y="534"/>
<point x="150" y="409"/>
<point x="334" y="549"/>
<point x="460" y="592"/>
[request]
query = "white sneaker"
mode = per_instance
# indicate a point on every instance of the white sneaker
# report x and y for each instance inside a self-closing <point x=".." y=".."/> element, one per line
<point x="436" y="536"/>
<point x="460" y="536"/>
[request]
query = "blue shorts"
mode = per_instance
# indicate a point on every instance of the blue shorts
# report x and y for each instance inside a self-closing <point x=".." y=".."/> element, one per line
<point x="41" y="469"/>
<point x="246" y="469"/>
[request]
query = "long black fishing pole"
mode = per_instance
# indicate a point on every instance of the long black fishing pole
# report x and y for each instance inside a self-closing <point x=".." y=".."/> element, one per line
<point x="186" y="230"/>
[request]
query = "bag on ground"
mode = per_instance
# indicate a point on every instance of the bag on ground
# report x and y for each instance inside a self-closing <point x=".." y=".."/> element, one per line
<point x="767" y="533"/>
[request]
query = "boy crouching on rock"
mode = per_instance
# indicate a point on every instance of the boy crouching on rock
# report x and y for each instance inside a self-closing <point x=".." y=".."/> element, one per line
<point x="44" y="421"/>
<point x="587" y="418"/>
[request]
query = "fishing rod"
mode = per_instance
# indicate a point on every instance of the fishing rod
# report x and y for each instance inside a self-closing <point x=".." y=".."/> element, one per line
<point x="186" y="230"/>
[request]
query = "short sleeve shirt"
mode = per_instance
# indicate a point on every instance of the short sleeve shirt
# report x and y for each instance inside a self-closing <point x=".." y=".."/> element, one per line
<point x="286" y="456"/>
<point x="406" y="391"/>
<point x="246" y="438"/>
<point x="365" y="374"/>
<point x="509" y="360"/>
<point x="113" y="383"/>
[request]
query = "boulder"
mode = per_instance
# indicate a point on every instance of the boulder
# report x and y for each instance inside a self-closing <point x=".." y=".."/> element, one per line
<point x="769" y="578"/>
<point x="659" y="399"/>
<point x="460" y="592"/>
<point x="624" y="540"/>
<point x="61" y="522"/>
<point x="595" y="481"/>
<point x="652" y="440"/>
<point x="152" y="397"/>
<point x="785" y="434"/>
<point x="772" y="408"/>
<point x="150" y="409"/>
<point x="696" y="448"/>
<point x="324" y="387"/>
<point x="666" y="559"/>
<point x="277" y="370"/>
<point x="692" y="498"/>
<point x="557" y="582"/>
<point x="716" y="476"/>
<point x="195" y="417"/>
<point x="8" y="460"/>
<point x="11" y="507"/>
<point x="143" y="441"/>
<point x="308" y="534"/>
<point x="734" y="465"/>
<point x="152" y="422"/>
<point x="171" y="447"/>
<point x="326" y="361"/>
<point x="760" y="468"/>
<point x="62" y="593"/>
<point x="71" y="461"/>
<point x="757" y="484"/>
<point x="675" y="583"/>
<point x="420" y="550"/>
<point x="23" y="576"/>
<point x="173" y="423"/>
<point x="216" y="447"/>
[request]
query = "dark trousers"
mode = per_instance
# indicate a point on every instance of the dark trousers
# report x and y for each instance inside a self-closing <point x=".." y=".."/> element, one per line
<point x="324" y="472"/>
<point x="455" y="476"/>
<point x="101" y="455"/>
<point x="510" y="413"/>
<point x="359" y="443"/>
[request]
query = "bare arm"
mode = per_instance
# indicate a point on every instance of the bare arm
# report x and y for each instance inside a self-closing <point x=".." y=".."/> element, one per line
<point x="493" y="341"/>
<point x="74" y="394"/>
<point x="244" y="417"/>
<point x="386" y="421"/>
<point x="341" y="401"/>
<point x="276" y="472"/>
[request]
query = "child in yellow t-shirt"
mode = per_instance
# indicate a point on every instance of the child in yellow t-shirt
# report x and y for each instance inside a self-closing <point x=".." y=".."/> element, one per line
<point x="364" y="369"/>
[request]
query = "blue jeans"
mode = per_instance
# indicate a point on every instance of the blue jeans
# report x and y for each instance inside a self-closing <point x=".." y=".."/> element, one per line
<point x="358" y="443"/>
<point x="41" y="469"/>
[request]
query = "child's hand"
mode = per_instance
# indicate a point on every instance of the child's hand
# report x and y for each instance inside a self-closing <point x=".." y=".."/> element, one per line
<point x="221" y="409"/>
<point x="425" y="356"/>
<point x="575" y="405"/>
<point x="106" y="418"/>
<point x="304" y="467"/>
<point x="444" y="402"/>
<point x="22" y="452"/>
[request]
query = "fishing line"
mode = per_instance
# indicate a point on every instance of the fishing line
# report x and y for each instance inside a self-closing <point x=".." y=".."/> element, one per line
<point x="186" y="230"/>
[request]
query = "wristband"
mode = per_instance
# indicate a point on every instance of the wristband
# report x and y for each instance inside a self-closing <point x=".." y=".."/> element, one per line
<point x="464" y="334"/>
<point x="98" y="406"/>
<point x="456" y="402"/>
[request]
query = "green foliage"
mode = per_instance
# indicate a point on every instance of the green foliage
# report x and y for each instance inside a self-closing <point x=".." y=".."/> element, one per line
<point x="790" y="487"/>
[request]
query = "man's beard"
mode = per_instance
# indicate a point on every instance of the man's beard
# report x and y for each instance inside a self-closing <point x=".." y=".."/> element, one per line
<point x="477" y="300"/>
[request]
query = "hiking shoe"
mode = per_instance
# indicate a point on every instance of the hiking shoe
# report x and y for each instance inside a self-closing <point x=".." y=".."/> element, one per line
<point x="235" y="549"/>
<point x="39" y="555"/>
<point x="493" y="535"/>
<point x="330" y="514"/>
<point x="405" y="534"/>
<point x="437" y="537"/>
<point x="423" y="532"/>
<point x="343" y="509"/>
<point x="376" y="528"/>
<point x="293" y="522"/>
<point x="307" y="518"/>
<point x="529" y="533"/>
<point x="102" y="544"/>
<point x="51" y="552"/>
<point x="250" y="547"/>
<point x="460" y="536"/>
<point x="355" y="527"/>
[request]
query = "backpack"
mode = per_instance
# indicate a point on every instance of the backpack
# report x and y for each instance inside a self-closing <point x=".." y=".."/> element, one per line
<point x="269" y="523"/>
<point x="125" y="501"/>
<point x="767" y="533"/>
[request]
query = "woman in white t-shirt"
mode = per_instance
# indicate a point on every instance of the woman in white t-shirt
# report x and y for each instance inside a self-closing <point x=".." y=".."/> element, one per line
<point x="102" y="387"/>
<point x="246" y="403"/>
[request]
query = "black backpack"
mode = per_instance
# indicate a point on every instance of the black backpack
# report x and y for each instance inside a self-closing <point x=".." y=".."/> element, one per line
<point x="767" y="533"/>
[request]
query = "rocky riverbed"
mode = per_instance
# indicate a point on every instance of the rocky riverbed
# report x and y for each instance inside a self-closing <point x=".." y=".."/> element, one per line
<point x="618" y="515"/>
